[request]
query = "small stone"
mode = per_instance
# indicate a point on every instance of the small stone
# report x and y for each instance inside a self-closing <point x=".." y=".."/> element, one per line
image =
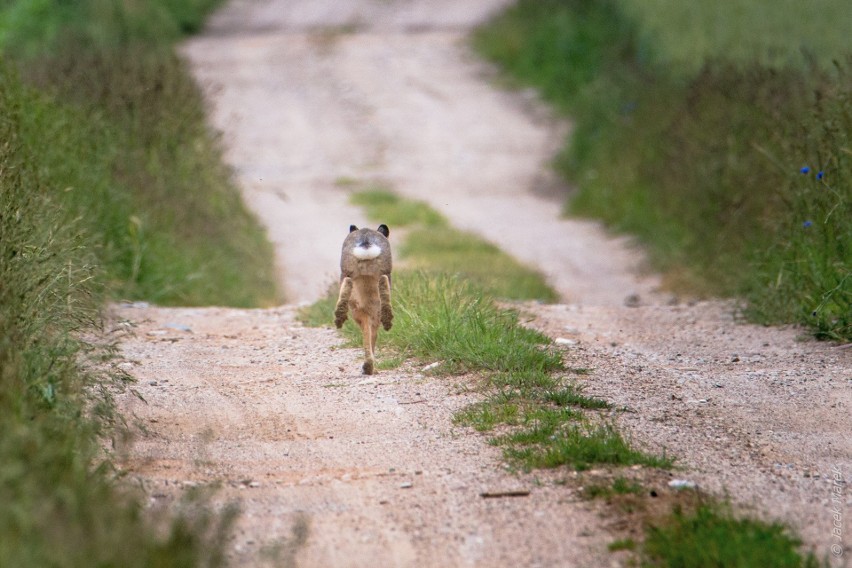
<point x="565" y="341"/>
<point x="431" y="366"/>
<point x="406" y="485"/>
<point x="682" y="484"/>
<point x="633" y="301"/>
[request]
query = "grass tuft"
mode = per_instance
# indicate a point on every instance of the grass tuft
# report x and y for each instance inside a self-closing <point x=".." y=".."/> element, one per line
<point x="620" y="486"/>
<point x="548" y="443"/>
<point x="442" y="318"/>
<point x="712" y="536"/>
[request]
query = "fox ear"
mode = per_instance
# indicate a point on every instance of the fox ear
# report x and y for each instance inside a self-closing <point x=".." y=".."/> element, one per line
<point x="383" y="229"/>
<point x="352" y="228"/>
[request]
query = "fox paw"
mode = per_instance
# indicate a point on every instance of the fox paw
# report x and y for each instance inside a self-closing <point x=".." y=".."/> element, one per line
<point x="367" y="367"/>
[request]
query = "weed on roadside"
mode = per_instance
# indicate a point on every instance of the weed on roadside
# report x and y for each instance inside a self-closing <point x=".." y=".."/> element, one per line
<point x="710" y="535"/>
<point x="671" y="527"/>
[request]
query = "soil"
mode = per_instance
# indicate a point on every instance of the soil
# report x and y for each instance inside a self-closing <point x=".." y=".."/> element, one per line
<point x="317" y="98"/>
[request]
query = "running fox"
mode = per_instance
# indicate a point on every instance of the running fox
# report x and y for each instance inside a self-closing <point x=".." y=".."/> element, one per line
<point x="365" y="286"/>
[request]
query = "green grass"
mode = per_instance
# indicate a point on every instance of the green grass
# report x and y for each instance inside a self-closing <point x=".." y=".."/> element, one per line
<point x="440" y="317"/>
<point x="689" y="528"/>
<point x="622" y="544"/>
<point x="619" y="486"/>
<point x="776" y="33"/>
<point x="711" y="536"/>
<point x="549" y="442"/>
<point x="446" y="318"/>
<point x="33" y="27"/>
<point x="701" y="161"/>
<point x="386" y="207"/>
<point x="120" y="135"/>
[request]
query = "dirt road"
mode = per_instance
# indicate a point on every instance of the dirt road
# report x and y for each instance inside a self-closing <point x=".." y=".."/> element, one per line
<point x="331" y="468"/>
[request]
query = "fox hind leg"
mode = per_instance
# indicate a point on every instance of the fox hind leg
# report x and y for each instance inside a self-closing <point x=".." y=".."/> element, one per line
<point x="341" y="310"/>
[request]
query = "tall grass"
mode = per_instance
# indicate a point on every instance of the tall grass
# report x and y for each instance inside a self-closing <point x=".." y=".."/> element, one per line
<point x="61" y="505"/>
<point x="144" y="172"/>
<point x="110" y="187"/>
<point x="773" y="33"/>
<point x="702" y="161"/>
<point x="444" y="318"/>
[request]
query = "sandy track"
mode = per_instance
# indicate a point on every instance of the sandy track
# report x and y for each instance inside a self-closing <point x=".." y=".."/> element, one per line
<point x="312" y="95"/>
<point x="331" y="468"/>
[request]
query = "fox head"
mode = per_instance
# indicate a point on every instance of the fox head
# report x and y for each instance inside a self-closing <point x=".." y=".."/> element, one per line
<point x="367" y="244"/>
<point x="366" y="251"/>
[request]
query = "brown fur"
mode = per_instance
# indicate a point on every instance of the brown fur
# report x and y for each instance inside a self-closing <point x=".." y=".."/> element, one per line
<point x="365" y="287"/>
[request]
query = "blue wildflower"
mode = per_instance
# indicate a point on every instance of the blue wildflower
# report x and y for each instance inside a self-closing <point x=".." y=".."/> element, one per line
<point x="807" y="224"/>
<point x="820" y="174"/>
<point x="804" y="170"/>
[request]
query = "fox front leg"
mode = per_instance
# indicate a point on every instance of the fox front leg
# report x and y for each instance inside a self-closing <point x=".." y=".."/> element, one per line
<point x="341" y="310"/>
<point x="385" y="297"/>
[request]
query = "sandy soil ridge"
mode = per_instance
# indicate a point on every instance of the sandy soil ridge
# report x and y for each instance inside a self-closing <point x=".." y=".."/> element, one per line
<point x="336" y="469"/>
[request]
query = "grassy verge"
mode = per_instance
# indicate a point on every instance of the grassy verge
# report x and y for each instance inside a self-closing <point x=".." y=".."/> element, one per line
<point x="446" y="313"/>
<point x="121" y="139"/>
<point x="735" y="173"/>
<point x="61" y="505"/>
<point x="733" y="167"/>
<point x="110" y="186"/>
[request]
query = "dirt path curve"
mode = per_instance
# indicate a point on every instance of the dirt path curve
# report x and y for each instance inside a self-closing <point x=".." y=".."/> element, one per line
<point x="335" y="469"/>
<point x="314" y="93"/>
